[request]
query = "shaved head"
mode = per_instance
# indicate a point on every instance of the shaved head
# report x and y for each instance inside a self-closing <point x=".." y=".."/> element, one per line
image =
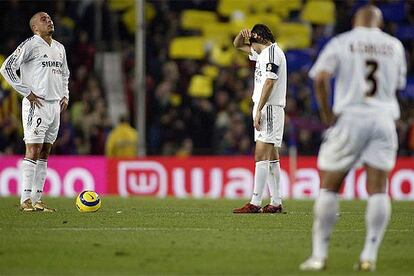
<point x="33" y="20"/>
<point x="41" y="24"/>
<point x="368" y="16"/>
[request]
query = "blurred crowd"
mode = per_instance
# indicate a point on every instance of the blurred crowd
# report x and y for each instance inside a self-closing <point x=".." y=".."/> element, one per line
<point x="177" y="122"/>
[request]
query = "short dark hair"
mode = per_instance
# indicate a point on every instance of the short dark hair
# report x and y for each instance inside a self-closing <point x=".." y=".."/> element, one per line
<point x="263" y="32"/>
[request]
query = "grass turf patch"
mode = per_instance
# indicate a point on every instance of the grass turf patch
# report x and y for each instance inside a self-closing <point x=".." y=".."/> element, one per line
<point x="131" y="236"/>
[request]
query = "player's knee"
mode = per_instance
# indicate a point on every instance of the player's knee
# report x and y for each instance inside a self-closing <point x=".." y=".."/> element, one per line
<point x="33" y="152"/>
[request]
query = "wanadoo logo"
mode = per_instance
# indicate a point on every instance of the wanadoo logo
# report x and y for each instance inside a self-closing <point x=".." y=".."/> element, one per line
<point x="142" y="177"/>
<point x="58" y="185"/>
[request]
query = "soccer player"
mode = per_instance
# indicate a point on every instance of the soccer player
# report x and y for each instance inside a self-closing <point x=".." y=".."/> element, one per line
<point x="369" y="66"/>
<point x="43" y="82"/>
<point x="269" y="97"/>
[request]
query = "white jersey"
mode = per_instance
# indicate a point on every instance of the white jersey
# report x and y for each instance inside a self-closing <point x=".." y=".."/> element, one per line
<point x="270" y="64"/>
<point x="369" y="66"/>
<point x="43" y="69"/>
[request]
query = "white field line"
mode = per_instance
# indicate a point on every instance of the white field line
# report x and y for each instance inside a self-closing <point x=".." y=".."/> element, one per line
<point x="165" y="229"/>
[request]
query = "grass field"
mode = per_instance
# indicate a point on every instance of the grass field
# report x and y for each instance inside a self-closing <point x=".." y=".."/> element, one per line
<point x="147" y="236"/>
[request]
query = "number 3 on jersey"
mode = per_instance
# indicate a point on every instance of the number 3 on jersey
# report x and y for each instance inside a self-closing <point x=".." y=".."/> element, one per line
<point x="372" y="66"/>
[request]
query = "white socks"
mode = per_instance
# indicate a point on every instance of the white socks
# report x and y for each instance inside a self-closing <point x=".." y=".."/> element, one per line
<point x="376" y="219"/>
<point x="274" y="182"/>
<point x="39" y="180"/>
<point x="325" y="216"/>
<point x="28" y="168"/>
<point x="260" y="177"/>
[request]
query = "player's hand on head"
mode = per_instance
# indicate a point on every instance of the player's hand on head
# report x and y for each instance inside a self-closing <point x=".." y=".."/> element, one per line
<point x="246" y="34"/>
<point x="34" y="100"/>
<point x="64" y="104"/>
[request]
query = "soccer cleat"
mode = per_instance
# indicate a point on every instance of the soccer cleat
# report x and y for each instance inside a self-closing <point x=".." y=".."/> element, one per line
<point x="41" y="207"/>
<point x="313" y="264"/>
<point x="26" y="206"/>
<point x="248" y="208"/>
<point x="365" y="266"/>
<point x="272" y="209"/>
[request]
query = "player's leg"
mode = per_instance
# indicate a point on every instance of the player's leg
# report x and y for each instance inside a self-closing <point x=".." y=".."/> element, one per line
<point x="28" y="170"/>
<point x="339" y="151"/>
<point x="275" y="134"/>
<point x="41" y="169"/>
<point x="376" y="217"/>
<point x="53" y="114"/>
<point x="273" y="182"/>
<point x="379" y="159"/>
<point x="33" y="137"/>
<point x="262" y="155"/>
<point x="326" y="209"/>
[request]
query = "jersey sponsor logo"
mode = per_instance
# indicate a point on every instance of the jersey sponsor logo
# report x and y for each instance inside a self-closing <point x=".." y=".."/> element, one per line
<point x="45" y="56"/>
<point x="57" y="64"/>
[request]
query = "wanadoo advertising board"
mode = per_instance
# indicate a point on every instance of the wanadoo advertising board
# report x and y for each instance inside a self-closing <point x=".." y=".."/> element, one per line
<point x="195" y="177"/>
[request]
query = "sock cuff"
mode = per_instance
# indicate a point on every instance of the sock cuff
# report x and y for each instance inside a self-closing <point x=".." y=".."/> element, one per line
<point x="262" y="163"/>
<point x="42" y="160"/>
<point x="29" y="161"/>
<point x="274" y="161"/>
<point x="327" y="193"/>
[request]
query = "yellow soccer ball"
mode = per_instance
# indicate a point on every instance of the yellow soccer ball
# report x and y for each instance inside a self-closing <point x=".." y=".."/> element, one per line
<point x="88" y="201"/>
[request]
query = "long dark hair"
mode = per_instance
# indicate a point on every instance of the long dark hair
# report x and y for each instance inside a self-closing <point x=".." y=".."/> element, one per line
<point x="264" y="33"/>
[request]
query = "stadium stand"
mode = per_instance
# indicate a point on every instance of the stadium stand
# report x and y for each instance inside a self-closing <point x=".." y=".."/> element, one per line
<point x="198" y="86"/>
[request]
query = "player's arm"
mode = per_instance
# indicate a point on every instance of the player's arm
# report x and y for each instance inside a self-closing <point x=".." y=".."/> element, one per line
<point x="321" y="72"/>
<point x="9" y="72"/>
<point x="65" y="75"/>
<point x="10" y="67"/>
<point x="266" y="91"/>
<point x="241" y="39"/>
<point x="322" y="85"/>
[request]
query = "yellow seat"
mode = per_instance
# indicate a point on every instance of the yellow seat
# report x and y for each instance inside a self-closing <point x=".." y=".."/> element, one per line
<point x="128" y="17"/>
<point x="282" y="8"/>
<point x="187" y="48"/>
<point x="293" y="35"/>
<point x="210" y="71"/>
<point x="228" y="7"/>
<point x="319" y="12"/>
<point x="222" y="55"/>
<point x="196" y="19"/>
<point x="119" y="5"/>
<point x="200" y="86"/>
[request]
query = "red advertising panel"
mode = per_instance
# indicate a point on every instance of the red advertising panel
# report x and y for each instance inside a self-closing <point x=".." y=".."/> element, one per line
<point x="195" y="177"/>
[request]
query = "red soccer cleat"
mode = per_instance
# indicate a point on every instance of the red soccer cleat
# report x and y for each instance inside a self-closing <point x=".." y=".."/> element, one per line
<point x="272" y="209"/>
<point x="248" y="208"/>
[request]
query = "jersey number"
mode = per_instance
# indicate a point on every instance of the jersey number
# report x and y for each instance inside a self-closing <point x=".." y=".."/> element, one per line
<point x="372" y="66"/>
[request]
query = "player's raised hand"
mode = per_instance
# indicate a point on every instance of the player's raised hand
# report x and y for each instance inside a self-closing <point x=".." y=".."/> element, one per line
<point x="34" y="100"/>
<point x="64" y="104"/>
<point x="246" y="34"/>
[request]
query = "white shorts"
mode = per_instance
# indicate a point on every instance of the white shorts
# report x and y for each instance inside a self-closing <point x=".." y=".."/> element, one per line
<point x="365" y="137"/>
<point x="40" y="125"/>
<point x="272" y="123"/>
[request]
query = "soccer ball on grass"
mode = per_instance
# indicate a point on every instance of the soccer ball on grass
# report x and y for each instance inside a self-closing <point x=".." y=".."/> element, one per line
<point x="88" y="201"/>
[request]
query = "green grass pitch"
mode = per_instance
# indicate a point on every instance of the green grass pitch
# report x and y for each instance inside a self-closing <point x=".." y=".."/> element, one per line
<point x="148" y="236"/>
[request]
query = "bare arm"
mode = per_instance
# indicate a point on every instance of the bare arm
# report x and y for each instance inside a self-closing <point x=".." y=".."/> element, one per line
<point x="241" y="39"/>
<point x="322" y="87"/>
<point x="267" y="90"/>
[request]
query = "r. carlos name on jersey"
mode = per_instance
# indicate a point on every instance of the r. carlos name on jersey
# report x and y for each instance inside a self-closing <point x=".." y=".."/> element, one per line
<point x="54" y="65"/>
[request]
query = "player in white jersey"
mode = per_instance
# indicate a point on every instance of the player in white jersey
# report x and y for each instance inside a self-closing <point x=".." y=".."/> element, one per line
<point x="43" y="82"/>
<point x="269" y="97"/>
<point x="369" y="66"/>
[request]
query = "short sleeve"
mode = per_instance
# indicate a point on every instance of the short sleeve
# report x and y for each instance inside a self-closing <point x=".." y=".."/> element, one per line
<point x="328" y="59"/>
<point x="272" y="64"/>
<point x="253" y="54"/>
